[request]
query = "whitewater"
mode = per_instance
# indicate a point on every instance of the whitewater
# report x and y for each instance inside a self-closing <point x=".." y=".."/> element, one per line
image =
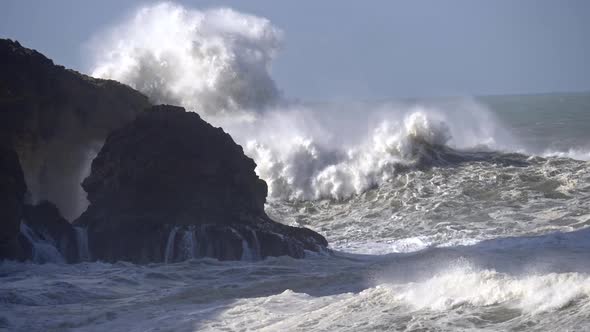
<point x="446" y="214"/>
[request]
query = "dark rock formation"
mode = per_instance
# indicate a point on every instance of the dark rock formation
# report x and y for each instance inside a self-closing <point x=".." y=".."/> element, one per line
<point x="45" y="220"/>
<point x="165" y="187"/>
<point x="54" y="118"/>
<point x="169" y="186"/>
<point x="12" y="194"/>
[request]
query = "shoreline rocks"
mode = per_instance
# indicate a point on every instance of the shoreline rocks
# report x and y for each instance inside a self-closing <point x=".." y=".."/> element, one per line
<point x="169" y="169"/>
<point x="166" y="185"/>
<point x="55" y="119"/>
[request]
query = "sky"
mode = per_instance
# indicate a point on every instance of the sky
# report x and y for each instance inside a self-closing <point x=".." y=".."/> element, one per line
<point x="365" y="50"/>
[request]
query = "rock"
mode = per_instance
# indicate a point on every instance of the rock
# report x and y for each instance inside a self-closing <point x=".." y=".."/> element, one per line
<point x="45" y="220"/>
<point x="12" y="195"/>
<point x="56" y="119"/>
<point x="170" y="186"/>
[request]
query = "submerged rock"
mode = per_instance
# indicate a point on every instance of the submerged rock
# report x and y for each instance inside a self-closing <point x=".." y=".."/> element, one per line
<point x="170" y="186"/>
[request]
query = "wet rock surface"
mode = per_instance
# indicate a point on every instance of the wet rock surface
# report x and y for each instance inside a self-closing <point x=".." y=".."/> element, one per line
<point x="170" y="186"/>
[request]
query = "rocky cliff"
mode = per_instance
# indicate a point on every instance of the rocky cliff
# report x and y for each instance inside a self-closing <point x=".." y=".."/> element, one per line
<point x="54" y="118"/>
<point x="30" y="232"/>
<point x="170" y="186"/>
<point x="12" y="195"/>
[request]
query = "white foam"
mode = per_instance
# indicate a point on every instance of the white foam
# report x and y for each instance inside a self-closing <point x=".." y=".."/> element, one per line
<point x="209" y="61"/>
<point x="466" y="285"/>
<point x="303" y="156"/>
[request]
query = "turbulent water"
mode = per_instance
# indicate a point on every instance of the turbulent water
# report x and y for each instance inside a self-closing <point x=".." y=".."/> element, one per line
<point x="445" y="215"/>
<point x="457" y="239"/>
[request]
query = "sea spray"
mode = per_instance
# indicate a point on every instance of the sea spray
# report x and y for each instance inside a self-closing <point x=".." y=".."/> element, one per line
<point x="217" y="63"/>
<point x="209" y="61"/>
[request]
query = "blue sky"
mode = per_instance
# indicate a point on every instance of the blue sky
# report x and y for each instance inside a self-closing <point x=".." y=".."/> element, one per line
<point x="338" y="49"/>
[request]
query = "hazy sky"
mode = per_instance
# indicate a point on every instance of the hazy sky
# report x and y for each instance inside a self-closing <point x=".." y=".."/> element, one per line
<point x="366" y="49"/>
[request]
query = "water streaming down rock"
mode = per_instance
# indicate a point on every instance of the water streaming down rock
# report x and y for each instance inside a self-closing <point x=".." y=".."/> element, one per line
<point x="169" y="253"/>
<point x="250" y="245"/>
<point x="182" y="244"/>
<point x="47" y="222"/>
<point x="82" y="241"/>
<point x="43" y="249"/>
<point x="247" y="254"/>
<point x="256" y="245"/>
<point x="188" y="244"/>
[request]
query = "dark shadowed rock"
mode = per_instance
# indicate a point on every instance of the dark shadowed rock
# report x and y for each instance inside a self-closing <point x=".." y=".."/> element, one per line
<point x="45" y="220"/>
<point x="12" y="193"/>
<point x="170" y="186"/>
<point x="54" y="117"/>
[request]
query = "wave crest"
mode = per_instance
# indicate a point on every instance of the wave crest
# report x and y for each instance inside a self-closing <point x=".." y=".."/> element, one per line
<point x="208" y="61"/>
<point x="327" y="160"/>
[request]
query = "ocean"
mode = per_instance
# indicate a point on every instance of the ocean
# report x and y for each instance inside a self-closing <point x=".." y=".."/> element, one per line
<point x="451" y="214"/>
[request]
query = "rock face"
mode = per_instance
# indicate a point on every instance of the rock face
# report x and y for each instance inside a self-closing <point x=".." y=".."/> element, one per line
<point x="54" y="118"/>
<point x="12" y="193"/>
<point x="169" y="186"/>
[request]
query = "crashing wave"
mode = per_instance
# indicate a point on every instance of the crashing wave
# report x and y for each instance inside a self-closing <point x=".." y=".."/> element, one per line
<point x="208" y="61"/>
<point x="217" y="62"/>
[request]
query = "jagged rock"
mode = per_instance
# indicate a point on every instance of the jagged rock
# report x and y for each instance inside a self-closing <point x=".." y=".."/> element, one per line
<point x="12" y="194"/>
<point x="48" y="224"/>
<point x="169" y="186"/>
<point x="54" y="118"/>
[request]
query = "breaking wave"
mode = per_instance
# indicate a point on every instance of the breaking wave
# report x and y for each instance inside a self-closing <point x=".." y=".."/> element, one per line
<point x="208" y="61"/>
<point x="217" y="62"/>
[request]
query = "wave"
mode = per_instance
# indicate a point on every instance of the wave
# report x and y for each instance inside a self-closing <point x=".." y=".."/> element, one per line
<point x="577" y="154"/>
<point x="209" y="61"/>
<point x="500" y="284"/>
<point x="217" y="62"/>
<point x="334" y="161"/>
<point x="466" y="285"/>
